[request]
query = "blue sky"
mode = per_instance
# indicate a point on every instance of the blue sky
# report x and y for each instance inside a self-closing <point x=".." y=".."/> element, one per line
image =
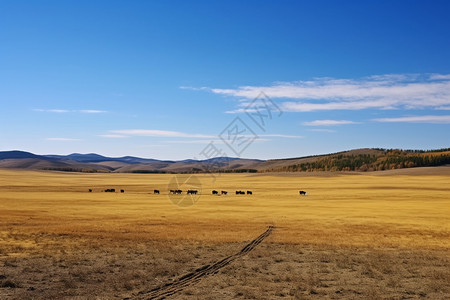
<point x="164" y="79"/>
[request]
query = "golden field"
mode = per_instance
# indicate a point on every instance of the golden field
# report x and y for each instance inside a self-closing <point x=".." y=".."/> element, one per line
<point x="353" y="236"/>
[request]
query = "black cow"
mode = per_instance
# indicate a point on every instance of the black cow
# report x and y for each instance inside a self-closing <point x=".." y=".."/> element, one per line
<point x="302" y="193"/>
<point x="224" y="192"/>
<point x="177" y="192"/>
<point x="214" y="192"/>
<point x="90" y="190"/>
<point x="240" y="193"/>
<point x="122" y="191"/>
<point x="192" y="192"/>
<point x="156" y="192"/>
<point x="249" y="193"/>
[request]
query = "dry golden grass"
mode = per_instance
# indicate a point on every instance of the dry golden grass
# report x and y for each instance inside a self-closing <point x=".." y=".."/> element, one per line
<point x="352" y="236"/>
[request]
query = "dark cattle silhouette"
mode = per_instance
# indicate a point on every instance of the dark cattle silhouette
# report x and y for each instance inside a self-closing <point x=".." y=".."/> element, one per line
<point x="178" y="192"/>
<point x="224" y="192"/>
<point x="156" y="192"/>
<point x="302" y="193"/>
<point x="192" y="192"/>
<point x="249" y="193"/>
<point x="122" y="191"/>
<point x="90" y="190"/>
<point x="110" y="190"/>
<point x="240" y="193"/>
<point x="214" y="192"/>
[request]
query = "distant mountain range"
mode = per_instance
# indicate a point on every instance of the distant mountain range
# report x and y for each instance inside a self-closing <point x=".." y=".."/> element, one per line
<point x="92" y="162"/>
<point x="352" y="160"/>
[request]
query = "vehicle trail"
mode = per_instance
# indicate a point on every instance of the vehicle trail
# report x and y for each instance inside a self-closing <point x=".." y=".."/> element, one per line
<point x="194" y="277"/>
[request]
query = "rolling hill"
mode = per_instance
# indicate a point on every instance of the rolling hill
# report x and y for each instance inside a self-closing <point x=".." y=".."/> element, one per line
<point x="353" y="160"/>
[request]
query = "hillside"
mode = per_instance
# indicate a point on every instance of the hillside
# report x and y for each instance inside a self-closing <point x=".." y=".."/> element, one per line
<point x="360" y="160"/>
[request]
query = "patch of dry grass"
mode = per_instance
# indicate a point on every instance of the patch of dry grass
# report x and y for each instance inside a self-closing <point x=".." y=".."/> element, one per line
<point x="351" y="237"/>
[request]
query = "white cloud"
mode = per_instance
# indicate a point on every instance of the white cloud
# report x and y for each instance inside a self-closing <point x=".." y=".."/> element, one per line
<point x="389" y="91"/>
<point x="417" y="119"/>
<point x="112" y="136"/>
<point x="176" y="134"/>
<point x="158" y="133"/>
<point x="60" y="139"/>
<point x="241" y="110"/>
<point x="215" y="141"/>
<point x="59" y="111"/>
<point x="322" y="130"/>
<point x="282" y="136"/>
<point x="440" y="76"/>
<point x="328" y="122"/>
<point x="92" y="111"/>
<point x="194" y="88"/>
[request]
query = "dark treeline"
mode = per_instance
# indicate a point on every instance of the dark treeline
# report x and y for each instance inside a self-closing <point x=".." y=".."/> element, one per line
<point x="148" y="172"/>
<point x="414" y="151"/>
<point x="238" y="171"/>
<point x="391" y="159"/>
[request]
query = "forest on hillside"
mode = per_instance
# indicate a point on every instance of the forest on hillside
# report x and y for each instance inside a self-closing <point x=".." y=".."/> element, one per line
<point x="387" y="159"/>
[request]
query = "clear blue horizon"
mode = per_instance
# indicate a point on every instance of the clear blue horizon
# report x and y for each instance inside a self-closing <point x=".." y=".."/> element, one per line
<point x="256" y="79"/>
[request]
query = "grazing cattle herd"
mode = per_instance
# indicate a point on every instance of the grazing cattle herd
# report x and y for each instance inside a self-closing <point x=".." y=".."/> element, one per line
<point x="192" y="192"/>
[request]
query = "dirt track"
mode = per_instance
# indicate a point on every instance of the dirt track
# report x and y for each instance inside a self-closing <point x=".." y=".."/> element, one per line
<point x="192" y="278"/>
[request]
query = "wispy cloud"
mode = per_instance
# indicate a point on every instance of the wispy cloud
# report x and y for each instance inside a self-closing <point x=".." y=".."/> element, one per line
<point x="206" y="141"/>
<point x="282" y="136"/>
<point x="390" y="91"/>
<point x="92" y="111"/>
<point x="61" y="139"/>
<point x="59" y="111"/>
<point x="417" y="119"/>
<point x="215" y="141"/>
<point x="328" y="122"/>
<point x="201" y="138"/>
<point x="113" y="136"/>
<point x="194" y="88"/>
<point x="322" y="130"/>
<point x="440" y="76"/>
<point x="159" y="133"/>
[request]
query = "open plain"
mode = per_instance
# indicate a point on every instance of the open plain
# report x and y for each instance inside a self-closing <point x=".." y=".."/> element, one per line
<point x="353" y="236"/>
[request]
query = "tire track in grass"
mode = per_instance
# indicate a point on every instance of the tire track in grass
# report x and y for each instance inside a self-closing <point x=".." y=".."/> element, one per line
<point x="194" y="277"/>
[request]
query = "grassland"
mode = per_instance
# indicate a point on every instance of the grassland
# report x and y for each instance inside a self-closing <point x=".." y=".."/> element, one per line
<point x="352" y="237"/>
